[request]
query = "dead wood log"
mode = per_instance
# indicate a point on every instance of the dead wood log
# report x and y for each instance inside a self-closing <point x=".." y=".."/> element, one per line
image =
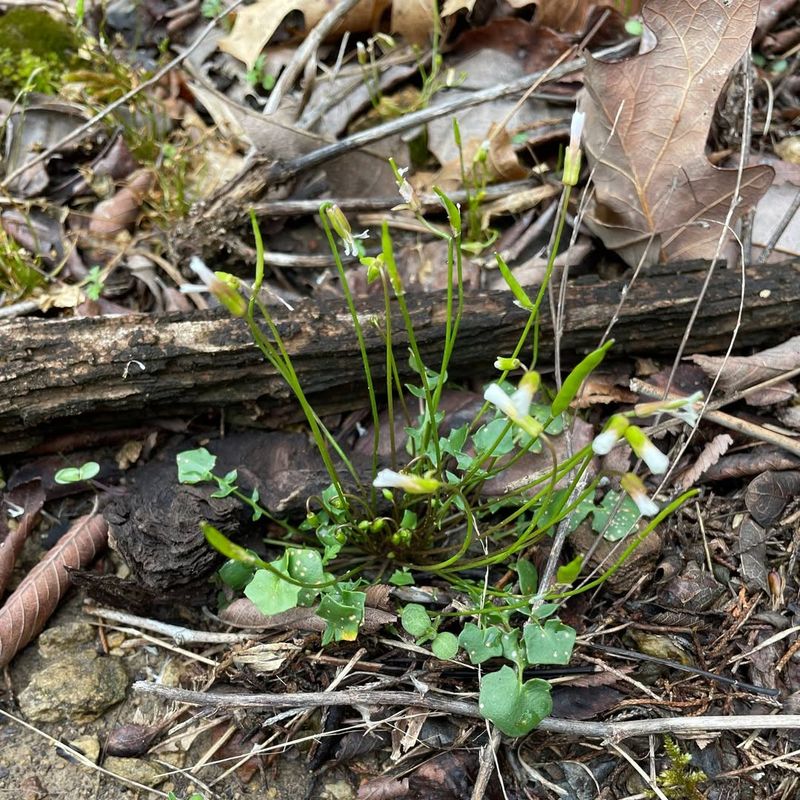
<point x="65" y="374"/>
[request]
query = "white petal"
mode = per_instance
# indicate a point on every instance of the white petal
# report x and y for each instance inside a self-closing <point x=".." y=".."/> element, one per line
<point x="656" y="461"/>
<point x="646" y="505"/>
<point x="389" y="479"/>
<point x="604" y="442"/>
<point x="497" y="397"/>
<point x="522" y="400"/>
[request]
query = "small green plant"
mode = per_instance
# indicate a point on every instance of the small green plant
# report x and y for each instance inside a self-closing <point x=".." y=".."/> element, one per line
<point x="424" y="513"/>
<point x="94" y="283"/>
<point x="677" y="781"/>
<point x="432" y="78"/>
<point x="20" y="271"/>
<point x="193" y="796"/>
<point x="77" y="474"/>
<point x="35" y="50"/>
<point x="258" y="76"/>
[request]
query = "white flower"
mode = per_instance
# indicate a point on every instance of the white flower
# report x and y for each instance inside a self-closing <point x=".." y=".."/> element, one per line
<point x="340" y="224"/>
<point x="656" y="461"/>
<point x="604" y="442"/>
<point x="413" y="484"/>
<point x="517" y="406"/>
<point x="635" y="489"/>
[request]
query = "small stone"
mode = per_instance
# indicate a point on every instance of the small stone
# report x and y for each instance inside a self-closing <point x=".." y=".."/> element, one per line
<point x="89" y="745"/>
<point x="337" y="790"/>
<point x="138" y="770"/>
<point x="54" y="641"/>
<point x="76" y="687"/>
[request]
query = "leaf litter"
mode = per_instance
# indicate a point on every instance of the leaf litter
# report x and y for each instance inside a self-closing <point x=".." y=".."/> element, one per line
<point x="651" y="183"/>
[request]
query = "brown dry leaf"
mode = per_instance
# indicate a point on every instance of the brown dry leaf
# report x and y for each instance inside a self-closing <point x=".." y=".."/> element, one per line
<point x="27" y="610"/>
<point x="740" y="372"/>
<point x="647" y="121"/>
<point x="255" y="24"/>
<point x="752" y="462"/>
<point x="572" y="16"/>
<point x="712" y="452"/>
<point x="116" y="214"/>
<point x="501" y="163"/>
<point x="413" y="20"/>
<point x="769" y="493"/>
<point x="30" y="497"/>
<point x="451" y="6"/>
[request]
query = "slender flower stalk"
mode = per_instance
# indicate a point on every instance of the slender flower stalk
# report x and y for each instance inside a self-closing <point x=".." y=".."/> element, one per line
<point x="633" y="485"/>
<point x="656" y="461"/>
<point x="412" y="484"/>
<point x="683" y="408"/>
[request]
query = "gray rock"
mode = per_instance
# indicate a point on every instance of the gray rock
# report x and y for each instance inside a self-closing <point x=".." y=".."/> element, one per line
<point x="138" y="770"/>
<point x="77" y="687"/>
<point x="53" y="642"/>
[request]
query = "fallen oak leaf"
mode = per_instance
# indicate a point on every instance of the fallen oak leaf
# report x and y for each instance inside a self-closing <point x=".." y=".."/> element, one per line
<point x="255" y="24"/>
<point x="647" y="122"/>
<point x="29" y="496"/>
<point x="27" y="610"/>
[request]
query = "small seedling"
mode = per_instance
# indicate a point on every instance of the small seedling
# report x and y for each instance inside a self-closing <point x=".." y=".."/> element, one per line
<point x="77" y="474"/>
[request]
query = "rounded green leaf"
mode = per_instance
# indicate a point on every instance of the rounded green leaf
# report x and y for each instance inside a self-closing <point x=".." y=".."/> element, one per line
<point x="194" y="466"/>
<point x="516" y="708"/>
<point x="415" y="620"/>
<point x="445" y="646"/>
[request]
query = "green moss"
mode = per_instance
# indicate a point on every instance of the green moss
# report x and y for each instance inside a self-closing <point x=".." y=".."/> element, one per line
<point x="677" y="781"/>
<point x="29" y="29"/>
<point x="35" y="49"/>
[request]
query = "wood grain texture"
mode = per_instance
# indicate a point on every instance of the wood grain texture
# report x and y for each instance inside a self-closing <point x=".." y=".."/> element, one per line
<point x="63" y="375"/>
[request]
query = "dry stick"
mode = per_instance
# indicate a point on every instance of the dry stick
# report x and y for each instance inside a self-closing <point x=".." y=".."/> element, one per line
<point x="725" y="420"/>
<point x="90" y="123"/>
<point x="747" y="137"/>
<point x="282" y="172"/>
<point x="778" y="232"/>
<point x="632" y="655"/>
<point x="607" y="731"/>
<point x="488" y="757"/>
<point x="303" y="53"/>
<point x="291" y="208"/>
<point x="177" y="633"/>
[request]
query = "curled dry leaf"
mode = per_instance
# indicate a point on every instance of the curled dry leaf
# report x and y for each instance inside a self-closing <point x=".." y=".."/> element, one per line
<point x="27" y="610"/>
<point x="647" y="121"/>
<point x="769" y="493"/>
<point x="739" y="372"/>
<point x="751" y="462"/>
<point x="30" y="497"/>
<point x="116" y="214"/>
<point x="712" y="452"/>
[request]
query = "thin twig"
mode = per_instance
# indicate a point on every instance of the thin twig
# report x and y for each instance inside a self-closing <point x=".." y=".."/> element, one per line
<point x="487" y="763"/>
<point x="744" y="156"/>
<point x="608" y="731"/>
<point x="291" y="208"/>
<point x="779" y="230"/>
<point x="177" y="633"/>
<point x="301" y="55"/>
<point x="280" y="173"/>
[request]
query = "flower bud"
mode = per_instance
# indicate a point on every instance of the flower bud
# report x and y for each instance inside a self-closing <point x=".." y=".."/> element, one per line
<point x="656" y="461"/>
